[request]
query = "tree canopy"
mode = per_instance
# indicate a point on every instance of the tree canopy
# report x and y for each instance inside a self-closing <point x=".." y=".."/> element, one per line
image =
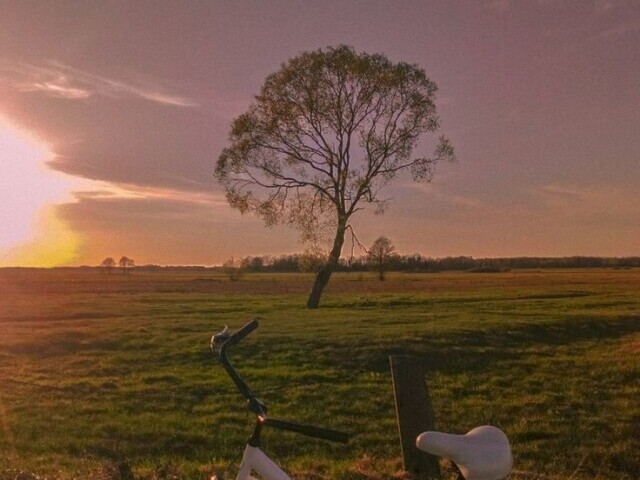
<point x="108" y="264"/>
<point x="380" y="253"/>
<point x="125" y="263"/>
<point x="326" y="133"/>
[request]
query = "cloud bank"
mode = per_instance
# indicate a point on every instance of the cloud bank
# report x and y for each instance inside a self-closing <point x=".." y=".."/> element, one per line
<point x="63" y="81"/>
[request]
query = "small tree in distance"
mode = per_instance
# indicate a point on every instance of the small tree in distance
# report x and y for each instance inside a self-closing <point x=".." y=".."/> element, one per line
<point x="380" y="254"/>
<point x="326" y="133"/>
<point x="234" y="269"/>
<point x="108" y="264"/>
<point x="253" y="264"/>
<point x="312" y="260"/>
<point x="125" y="264"/>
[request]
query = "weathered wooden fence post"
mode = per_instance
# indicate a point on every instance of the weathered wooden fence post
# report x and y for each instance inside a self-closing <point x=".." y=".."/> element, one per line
<point x="415" y="414"/>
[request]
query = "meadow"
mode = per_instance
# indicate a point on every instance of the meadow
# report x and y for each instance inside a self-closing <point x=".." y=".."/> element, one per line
<point x="98" y="369"/>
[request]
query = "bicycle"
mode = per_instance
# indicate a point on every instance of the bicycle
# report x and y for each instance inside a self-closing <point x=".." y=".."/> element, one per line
<point x="481" y="454"/>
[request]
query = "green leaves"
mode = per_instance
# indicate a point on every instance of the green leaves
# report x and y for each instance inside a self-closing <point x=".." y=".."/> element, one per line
<point x="332" y="124"/>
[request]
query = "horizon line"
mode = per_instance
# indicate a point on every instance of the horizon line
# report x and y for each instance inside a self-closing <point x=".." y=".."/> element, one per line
<point x="213" y="266"/>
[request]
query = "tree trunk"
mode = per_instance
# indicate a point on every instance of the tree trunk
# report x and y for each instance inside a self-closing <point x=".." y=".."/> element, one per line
<point x="323" y="276"/>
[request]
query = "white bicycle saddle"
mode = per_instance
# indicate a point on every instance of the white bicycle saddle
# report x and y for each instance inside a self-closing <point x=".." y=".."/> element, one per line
<point x="481" y="454"/>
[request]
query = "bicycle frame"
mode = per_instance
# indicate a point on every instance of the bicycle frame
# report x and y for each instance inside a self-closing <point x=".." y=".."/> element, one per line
<point x="255" y="460"/>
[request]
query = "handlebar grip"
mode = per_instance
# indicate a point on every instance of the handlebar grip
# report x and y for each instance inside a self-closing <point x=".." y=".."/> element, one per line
<point x="240" y="334"/>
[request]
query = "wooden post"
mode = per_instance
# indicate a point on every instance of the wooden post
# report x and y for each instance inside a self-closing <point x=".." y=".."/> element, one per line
<point x="415" y="414"/>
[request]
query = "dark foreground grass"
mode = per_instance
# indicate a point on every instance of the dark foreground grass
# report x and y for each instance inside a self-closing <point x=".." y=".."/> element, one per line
<point x="97" y="369"/>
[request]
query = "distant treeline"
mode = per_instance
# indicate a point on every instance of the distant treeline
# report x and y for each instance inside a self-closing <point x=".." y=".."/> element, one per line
<point x="397" y="263"/>
<point x="414" y="263"/>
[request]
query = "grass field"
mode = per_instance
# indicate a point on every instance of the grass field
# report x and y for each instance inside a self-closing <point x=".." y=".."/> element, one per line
<point x="98" y="368"/>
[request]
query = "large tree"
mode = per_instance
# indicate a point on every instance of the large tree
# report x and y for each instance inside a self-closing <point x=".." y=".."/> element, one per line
<point x="326" y="133"/>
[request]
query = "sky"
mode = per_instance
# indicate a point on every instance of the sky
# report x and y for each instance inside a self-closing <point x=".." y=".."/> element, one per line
<point x="113" y="114"/>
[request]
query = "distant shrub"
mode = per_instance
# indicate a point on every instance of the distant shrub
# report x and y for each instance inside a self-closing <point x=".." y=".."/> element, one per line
<point x="485" y="269"/>
<point x="233" y="269"/>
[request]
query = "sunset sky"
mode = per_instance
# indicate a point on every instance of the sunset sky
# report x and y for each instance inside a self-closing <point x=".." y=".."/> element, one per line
<point x="113" y="113"/>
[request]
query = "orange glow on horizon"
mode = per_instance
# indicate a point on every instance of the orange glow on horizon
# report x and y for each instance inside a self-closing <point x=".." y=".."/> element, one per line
<point x="31" y="233"/>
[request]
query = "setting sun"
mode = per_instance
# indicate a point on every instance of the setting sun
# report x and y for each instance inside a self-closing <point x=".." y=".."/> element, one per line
<point x="32" y="235"/>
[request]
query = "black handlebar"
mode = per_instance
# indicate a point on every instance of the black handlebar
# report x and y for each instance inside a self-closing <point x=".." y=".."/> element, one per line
<point x="308" y="430"/>
<point x="239" y="335"/>
<point x="255" y="405"/>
